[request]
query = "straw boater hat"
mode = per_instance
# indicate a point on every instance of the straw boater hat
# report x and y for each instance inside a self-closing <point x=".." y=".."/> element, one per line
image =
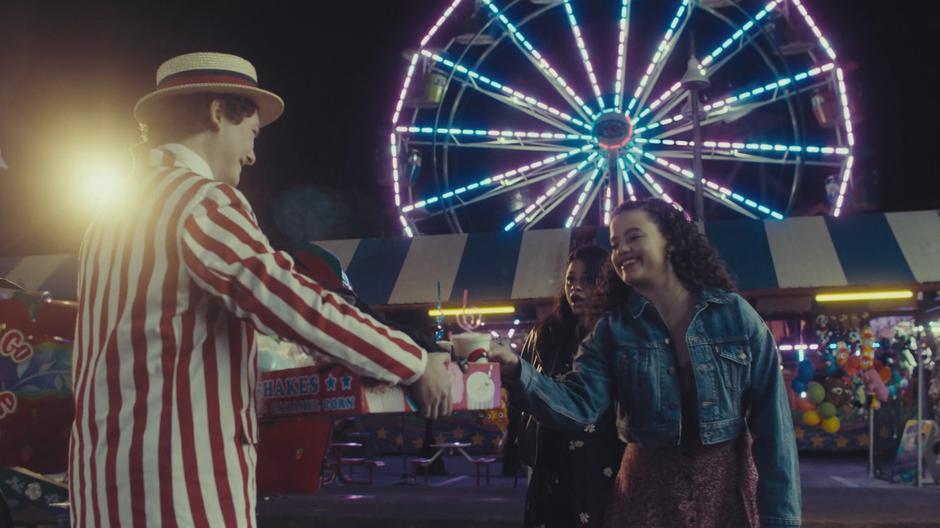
<point x="206" y="72"/>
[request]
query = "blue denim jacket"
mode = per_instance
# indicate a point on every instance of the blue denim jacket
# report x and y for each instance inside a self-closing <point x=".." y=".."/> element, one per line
<point x="627" y="359"/>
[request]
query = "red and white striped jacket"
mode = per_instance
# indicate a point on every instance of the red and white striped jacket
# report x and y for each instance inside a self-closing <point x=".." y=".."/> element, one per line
<point x="172" y="286"/>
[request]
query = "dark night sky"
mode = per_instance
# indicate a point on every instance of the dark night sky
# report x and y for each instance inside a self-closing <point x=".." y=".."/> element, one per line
<point x="70" y="72"/>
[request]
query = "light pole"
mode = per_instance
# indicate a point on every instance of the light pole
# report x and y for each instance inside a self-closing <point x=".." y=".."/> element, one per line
<point x="694" y="81"/>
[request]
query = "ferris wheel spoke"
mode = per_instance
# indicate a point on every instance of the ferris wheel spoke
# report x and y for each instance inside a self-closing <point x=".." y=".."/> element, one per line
<point x="708" y="62"/>
<point x="490" y="181"/>
<point x="745" y="100"/>
<point x="659" y="57"/>
<point x="585" y="57"/>
<point x="624" y="32"/>
<point x="503" y="92"/>
<point x="500" y="135"/>
<point x="494" y="145"/>
<point x="530" y="180"/>
<point x="519" y="183"/>
<point x="626" y="178"/>
<point x="742" y="146"/>
<point x="536" y="58"/>
<point x="548" y="206"/>
<point x="743" y="157"/>
<point x="583" y="204"/>
<point x="549" y="200"/>
<point x="710" y="193"/>
<point x="726" y="192"/>
<point x="654" y="188"/>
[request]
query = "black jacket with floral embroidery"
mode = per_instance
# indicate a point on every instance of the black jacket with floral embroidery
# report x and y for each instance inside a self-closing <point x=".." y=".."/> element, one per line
<point x="572" y="472"/>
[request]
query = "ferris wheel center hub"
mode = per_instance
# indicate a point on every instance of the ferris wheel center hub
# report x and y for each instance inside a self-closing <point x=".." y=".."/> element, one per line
<point x="612" y="130"/>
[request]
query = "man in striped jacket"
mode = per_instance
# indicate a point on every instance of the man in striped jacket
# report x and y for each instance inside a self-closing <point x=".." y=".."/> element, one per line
<point x="173" y="284"/>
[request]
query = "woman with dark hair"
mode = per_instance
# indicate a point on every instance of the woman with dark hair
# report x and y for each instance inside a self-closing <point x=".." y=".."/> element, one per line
<point x="696" y="374"/>
<point x="571" y="472"/>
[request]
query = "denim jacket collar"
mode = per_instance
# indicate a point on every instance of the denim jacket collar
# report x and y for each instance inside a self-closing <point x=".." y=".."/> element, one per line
<point x="637" y="303"/>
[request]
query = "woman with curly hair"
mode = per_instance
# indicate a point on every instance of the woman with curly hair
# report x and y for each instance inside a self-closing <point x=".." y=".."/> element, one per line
<point x="696" y="376"/>
<point x="572" y="472"/>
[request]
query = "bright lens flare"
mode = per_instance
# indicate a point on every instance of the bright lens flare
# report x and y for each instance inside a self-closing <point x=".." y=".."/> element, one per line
<point x="98" y="181"/>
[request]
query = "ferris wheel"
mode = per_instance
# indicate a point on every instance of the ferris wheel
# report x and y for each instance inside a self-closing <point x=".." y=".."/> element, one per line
<point x="515" y="114"/>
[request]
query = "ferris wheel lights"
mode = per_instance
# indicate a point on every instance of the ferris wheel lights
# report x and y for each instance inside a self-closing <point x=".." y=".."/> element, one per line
<point x="561" y="189"/>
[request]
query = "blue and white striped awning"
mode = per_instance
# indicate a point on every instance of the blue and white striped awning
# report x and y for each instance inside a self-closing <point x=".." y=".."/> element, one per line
<point x="802" y="252"/>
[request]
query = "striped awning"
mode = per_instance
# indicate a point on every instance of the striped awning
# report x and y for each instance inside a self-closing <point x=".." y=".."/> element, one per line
<point x="801" y="252"/>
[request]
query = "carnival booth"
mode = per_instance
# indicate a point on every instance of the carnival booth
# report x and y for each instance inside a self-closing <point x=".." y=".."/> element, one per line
<point x="841" y="358"/>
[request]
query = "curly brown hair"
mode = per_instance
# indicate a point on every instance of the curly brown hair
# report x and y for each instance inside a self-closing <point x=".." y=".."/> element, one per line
<point x="561" y="326"/>
<point x="694" y="261"/>
<point x="177" y="118"/>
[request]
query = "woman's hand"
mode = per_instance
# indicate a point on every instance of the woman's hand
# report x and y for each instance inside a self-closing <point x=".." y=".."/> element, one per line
<point x="507" y="359"/>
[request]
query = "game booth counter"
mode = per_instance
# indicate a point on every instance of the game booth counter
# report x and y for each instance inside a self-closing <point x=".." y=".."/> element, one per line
<point x="298" y="397"/>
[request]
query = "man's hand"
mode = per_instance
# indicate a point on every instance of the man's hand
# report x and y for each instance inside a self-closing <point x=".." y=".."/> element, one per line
<point x="432" y="390"/>
<point x="507" y="359"/>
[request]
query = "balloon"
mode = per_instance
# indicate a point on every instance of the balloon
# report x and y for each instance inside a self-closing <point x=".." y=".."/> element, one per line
<point x="807" y="371"/>
<point x="798" y="385"/>
<point x="811" y="418"/>
<point x="805" y="405"/>
<point x="816" y="392"/>
<point x="831" y="425"/>
<point x="827" y="410"/>
<point x="885" y="374"/>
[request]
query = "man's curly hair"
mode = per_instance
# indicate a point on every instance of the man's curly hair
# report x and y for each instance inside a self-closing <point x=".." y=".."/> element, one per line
<point x="695" y="262"/>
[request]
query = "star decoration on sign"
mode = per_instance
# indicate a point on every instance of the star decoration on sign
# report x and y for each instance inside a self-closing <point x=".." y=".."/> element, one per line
<point x="842" y="442"/>
<point x="458" y="433"/>
<point x="439" y="438"/>
<point x="347" y="382"/>
<point x="800" y="433"/>
<point x="418" y="443"/>
<point x="477" y="439"/>
<point x="381" y="434"/>
<point x="399" y="440"/>
<point x="818" y="441"/>
<point x="330" y="383"/>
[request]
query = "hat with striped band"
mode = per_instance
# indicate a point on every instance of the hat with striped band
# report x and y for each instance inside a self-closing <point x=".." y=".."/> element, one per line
<point x="208" y="72"/>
